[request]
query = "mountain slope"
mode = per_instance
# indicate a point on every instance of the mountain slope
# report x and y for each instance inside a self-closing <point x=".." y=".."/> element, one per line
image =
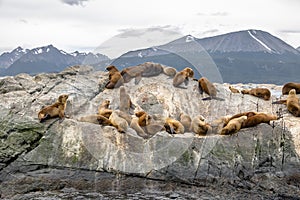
<point x="50" y="59"/>
<point x="246" y="41"/>
<point x="245" y="56"/>
<point x="8" y="58"/>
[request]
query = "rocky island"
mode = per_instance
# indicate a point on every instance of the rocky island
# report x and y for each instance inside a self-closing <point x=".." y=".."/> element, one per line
<point x="69" y="158"/>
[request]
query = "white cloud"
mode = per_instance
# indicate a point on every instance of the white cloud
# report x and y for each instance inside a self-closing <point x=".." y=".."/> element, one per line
<point x="36" y="23"/>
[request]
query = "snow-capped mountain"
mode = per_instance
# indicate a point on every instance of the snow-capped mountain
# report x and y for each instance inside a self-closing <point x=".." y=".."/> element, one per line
<point x="246" y="41"/>
<point x="245" y="56"/>
<point x="49" y="59"/>
<point x="8" y="58"/>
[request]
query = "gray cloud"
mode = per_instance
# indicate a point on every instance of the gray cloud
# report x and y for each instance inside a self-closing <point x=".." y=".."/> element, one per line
<point x="24" y="21"/>
<point x="211" y="31"/>
<point x="166" y="30"/>
<point x="74" y="2"/>
<point x="290" y="31"/>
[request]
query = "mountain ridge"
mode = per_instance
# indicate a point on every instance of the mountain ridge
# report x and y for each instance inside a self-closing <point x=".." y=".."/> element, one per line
<point x="45" y="59"/>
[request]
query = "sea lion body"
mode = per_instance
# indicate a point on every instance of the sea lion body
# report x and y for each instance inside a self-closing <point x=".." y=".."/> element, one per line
<point x="115" y="78"/>
<point x="118" y="122"/>
<point x="146" y="69"/>
<point x="199" y="126"/>
<point x="125" y="101"/>
<point x="233" y="125"/>
<point x="104" y="110"/>
<point x="263" y="93"/>
<point x="292" y="103"/>
<point x="183" y="77"/>
<point x="186" y="121"/>
<point x="292" y="85"/>
<point x="173" y="126"/>
<point x="55" y="110"/>
<point x="96" y="119"/>
<point x="233" y="90"/>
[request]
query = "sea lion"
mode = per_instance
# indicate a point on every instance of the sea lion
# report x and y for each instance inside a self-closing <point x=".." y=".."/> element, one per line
<point x="199" y="126"/>
<point x="218" y="124"/>
<point x="125" y="101"/>
<point x="292" y="103"/>
<point x="263" y="93"/>
<point x="96" y="119"/>
<point x="146" y="69"/>
<point x="288" y="86"/>
<point x="206" y="86"/>
<point x="169" y="71"/>
<point x="54" y="110"/>
<point x="125" y="116"/>
<point x="186" y="121"/>
<point x="255" y="118"/>
<point x="104" y="110"/>
<point x="144" y="118"/>
<point x="233" y="125"/>
<point x="248" y="114"/>
<point x="118" y="122"/>
<point x="139" y="130"/>
<point x="233" y="90"/>
<point x="115" y="78"/>
<point x="173" y="126"/>
<point x="258" y="118"/>
<point x="149" y="126"/>
<point x="183" y="76"/>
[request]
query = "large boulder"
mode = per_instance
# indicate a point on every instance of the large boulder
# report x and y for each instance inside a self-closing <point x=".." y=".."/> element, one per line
<point x="264" y="157"/>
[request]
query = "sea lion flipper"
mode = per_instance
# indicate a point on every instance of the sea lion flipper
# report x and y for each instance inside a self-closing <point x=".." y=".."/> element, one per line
<point x="206" y="98"/>
<point x="280" y="102"/>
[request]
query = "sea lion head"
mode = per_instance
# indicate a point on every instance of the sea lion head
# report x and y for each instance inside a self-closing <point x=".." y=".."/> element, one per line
<point x="63" y="98"/>
<point x="292" y="92"/>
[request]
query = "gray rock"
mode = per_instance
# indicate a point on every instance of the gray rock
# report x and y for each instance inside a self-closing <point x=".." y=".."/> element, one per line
<point x="264" y="157"/>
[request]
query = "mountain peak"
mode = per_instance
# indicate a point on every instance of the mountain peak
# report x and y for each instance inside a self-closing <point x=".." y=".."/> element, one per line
<point x="250" y="40"/>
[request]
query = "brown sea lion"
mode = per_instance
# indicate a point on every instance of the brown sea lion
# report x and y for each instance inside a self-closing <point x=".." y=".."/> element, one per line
<point x="118" y="122"/>
<point x="183" y="76"/>
<point x="255" y="118"/>
<point x="186" y="121"/>
<point x="55" y="110"/>
<point x="96" y="119"/>
<point x="144" y="118"/>
<point x="233" y="125"/>
<point x="199" y="126"/>
<point x="126" y="104"/>
<point x="258" y="118"/>
<point x="292" y="103"/>
<point x="139" y="130"/>
<point x="146" y="69"/>
<point x="233" y="90"/>
<point x="292" y="85"/>
<point x="173" y="126"/>
<point x="104" y="110"/>
<point x="115" y="78"/>
<point x="149" y="126"/>
<point x="206" y="86"/>
<point x="263" y="93"/>
<point x="169" y="71"/>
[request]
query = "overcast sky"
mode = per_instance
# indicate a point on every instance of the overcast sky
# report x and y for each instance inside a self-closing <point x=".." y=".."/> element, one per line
<point x="85" y="25"/>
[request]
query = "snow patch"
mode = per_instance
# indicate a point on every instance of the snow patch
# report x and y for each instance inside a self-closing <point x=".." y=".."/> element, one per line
<point x="63" y="52"/>
<point x="259" y="41"/>
<point x="140" y="55"/>
<point x="38" y="51"/>
<point x="189" y="39"/>
<point x="154" y="48"/>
